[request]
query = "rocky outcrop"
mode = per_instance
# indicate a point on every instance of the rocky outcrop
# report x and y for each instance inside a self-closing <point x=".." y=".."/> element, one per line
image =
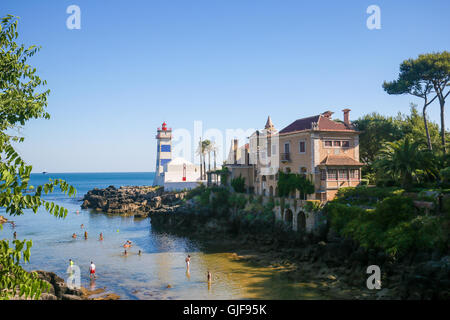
<point x="135" y="200"/>
<point x="58" y="288"/>
<point x="60" y="291"/>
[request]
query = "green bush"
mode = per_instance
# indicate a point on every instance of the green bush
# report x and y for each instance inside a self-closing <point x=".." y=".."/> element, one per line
<point x="365" y="195"/>
<point x="238" y="184"/>
<point x="445" y="175"/>
<point x="394" y="226"/>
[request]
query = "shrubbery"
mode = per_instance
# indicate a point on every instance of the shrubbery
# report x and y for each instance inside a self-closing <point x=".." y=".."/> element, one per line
<point x="394" y="225"/>
<point x="365" y="195"/>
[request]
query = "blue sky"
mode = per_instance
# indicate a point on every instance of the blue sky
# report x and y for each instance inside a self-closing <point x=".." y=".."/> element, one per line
<point x="135" y="64"/>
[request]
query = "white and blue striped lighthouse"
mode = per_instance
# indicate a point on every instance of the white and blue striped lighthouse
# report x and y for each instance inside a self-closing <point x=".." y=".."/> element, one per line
<point x="163" y="153"/>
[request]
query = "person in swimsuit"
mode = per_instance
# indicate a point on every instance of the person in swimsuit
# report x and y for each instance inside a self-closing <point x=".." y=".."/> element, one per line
<point x="85" y="235"/>
<point x="125" y="252"/>
<point x="209" y="277"/>
<point x="188" y="261"/>
<point x="82" y="226"/>
<point x="15" y="235"/>
<point x="74" y="235"/>
<point x="92" y="271"/>
<point x="101" y="236"/>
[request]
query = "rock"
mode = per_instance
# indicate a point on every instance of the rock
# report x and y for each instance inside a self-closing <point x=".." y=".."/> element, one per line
<point x="138" y="200"/>
<point x="70" y="297"/>
<point x="48" y="296"/>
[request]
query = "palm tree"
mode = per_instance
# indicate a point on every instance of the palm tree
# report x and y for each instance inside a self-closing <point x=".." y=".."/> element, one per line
<point x="205" y="147"/>
<point x="406" y="160"/>
<point x="201" y="151"/>
<point x="213" y="149"/>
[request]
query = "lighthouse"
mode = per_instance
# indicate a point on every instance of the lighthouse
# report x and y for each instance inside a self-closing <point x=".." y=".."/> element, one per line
<point x="163" y="153"/>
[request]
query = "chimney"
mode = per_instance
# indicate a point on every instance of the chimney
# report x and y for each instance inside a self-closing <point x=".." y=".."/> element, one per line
<point x="235" y="149"/>
<point x="346" y="116"/>
<point x="327" y="114"/>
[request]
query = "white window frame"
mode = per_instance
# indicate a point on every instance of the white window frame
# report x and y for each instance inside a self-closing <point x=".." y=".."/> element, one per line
<point x="299" y="149"/>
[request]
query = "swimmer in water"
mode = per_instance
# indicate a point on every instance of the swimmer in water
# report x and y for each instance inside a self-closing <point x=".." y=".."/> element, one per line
<point x="127" y="244"/>
<point x="78" y="212"/>
<point x="74" y="235"/>
<point x="209" y="277"/>
<point x="15" y="235"/>
<point x="101" y="236"/>
<point x="85" y="235"/>
<point x="188" y="261"/>
<point x="140" y="252"/>
<point x="82" y="226"/>
<point x="125" y="252"/>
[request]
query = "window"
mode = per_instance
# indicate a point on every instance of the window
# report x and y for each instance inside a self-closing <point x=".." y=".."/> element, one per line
<point x="302" y="147"/>
<point x="288" y="170"/>
<point x="343" y="174"/>
<point x="165" y="148"/>
<point x="332" y="174"/>
<point x="286" y="148"/>
<point x="303" y="170"/>
<point x="323" y="174"/>
<point x="337" y="143"/>
<point x="354" y="173"/>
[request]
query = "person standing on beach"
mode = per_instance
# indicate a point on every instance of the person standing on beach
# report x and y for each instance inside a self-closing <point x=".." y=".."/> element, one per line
<point x="209" y="277"/>
<point x="92" y="271"/>
<point x="125" y="252"/>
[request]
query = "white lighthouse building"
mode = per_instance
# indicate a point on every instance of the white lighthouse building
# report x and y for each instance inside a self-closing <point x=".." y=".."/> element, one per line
<point x="173" y="174"/>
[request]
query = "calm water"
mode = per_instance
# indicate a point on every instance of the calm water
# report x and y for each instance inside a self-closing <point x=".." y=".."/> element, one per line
<point x="133" y="276"/>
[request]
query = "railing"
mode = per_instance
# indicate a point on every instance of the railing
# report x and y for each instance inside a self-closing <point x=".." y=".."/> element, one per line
<point x="285" y="156"/>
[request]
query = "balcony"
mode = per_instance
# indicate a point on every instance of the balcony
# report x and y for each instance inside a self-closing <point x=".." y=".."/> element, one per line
<point x="285" y="157"/>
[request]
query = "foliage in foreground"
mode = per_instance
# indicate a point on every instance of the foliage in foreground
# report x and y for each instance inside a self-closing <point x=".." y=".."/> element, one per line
<point x="20" y="101"/>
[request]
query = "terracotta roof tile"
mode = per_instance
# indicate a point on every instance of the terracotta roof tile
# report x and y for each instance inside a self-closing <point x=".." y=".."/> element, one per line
<point x="300" y="124"/>
<point x="337" y="160"/>
<point x="324" y="123"/>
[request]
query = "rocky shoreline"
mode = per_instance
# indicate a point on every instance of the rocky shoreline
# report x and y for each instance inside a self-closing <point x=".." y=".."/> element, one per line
<point x="60" y="291"/>
<point x="139" y="201"/>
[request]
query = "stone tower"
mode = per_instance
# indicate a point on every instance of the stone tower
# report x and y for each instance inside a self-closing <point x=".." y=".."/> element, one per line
<point x="163" y="153"/>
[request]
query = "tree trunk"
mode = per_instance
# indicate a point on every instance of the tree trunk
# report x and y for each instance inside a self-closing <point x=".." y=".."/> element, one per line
<point x="209" y="161"/>
<point x="204" y="167"/>
<point x="442" y="103"/>
<point x="430" y="147"/>
<point x="215" y="167"/>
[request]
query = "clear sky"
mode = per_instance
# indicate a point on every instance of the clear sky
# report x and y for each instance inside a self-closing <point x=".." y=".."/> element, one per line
<point x="228" y="63"/>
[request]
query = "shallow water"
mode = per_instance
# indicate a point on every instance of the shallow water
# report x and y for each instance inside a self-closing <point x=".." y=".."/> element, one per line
<point x="161" y="263"/>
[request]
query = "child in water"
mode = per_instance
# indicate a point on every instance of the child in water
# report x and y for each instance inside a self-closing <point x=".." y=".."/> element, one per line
<point x="74" y="235"/>
<point x="101" y="236"/>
